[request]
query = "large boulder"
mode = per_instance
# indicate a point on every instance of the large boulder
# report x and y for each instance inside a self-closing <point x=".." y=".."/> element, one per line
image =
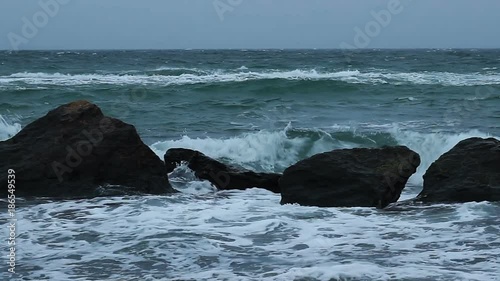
<point x="222" y="176"/>
<point x="76" y="151"/>
<point x="470" y="171"/>
<point x="359" y="177"/>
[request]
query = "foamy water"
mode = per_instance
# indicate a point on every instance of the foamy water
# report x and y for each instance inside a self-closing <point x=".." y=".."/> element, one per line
<point x="201" y="234"/>
<point x="8" y="129"/>
<point x="274" y="151"/>
<point x="198" y="76"/>
<point x="235" y="106"/>
<point x="247" y="235"/>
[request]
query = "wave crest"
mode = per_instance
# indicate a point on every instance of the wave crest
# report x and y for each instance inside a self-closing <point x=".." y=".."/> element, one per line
<point x="185" y="76"/>
<point x="275" y="151"/>
<point x="8" y="129"/>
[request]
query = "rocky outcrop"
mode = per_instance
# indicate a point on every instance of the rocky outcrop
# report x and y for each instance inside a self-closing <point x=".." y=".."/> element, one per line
<point x="470" y="171"/>
<point x="357" y="177"/>
<point x="222" y="176"/>
<point x="76" y="151"/>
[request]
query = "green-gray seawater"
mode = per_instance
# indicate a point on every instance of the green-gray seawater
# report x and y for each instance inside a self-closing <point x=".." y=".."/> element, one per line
<point x="265" y="110"/>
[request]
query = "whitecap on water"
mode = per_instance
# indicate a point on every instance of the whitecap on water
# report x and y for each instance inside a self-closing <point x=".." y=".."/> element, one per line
<point x="266" y="150"/>
<point x="200" y="234"/>
<point x="248" y="235"/>
<point x="276" y="150"/>
<point x="430" y="146"/>
<point x="219" y="76"/>
<point x="8" y="129"/>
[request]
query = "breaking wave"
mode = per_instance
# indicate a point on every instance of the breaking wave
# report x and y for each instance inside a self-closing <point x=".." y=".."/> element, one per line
<point x="273" y="151"/>
<point x="185" y="76"/>
<point x="8" y="129"/>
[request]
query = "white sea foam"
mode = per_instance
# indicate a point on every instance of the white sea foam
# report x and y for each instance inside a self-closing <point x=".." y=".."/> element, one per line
<point x="248" y="235"/>
<point x="8" y="129"/>
<point x="274" y="151"/>
<point x="195" y="70"/>
<point x="200" y="234"/>
<point x="219" y="76"/>
<point x="430" y="146"/>
<point x="435" y="78"/>
<point x="270" y="151"/>
<point x="407" y="98"/>
<point x="183" y="179"/>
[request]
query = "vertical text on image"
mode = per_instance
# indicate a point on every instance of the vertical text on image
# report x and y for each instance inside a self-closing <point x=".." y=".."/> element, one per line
<point x="11" y="209"/>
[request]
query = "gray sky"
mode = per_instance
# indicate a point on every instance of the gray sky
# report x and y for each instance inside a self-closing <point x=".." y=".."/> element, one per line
<point x="182" y="24"/>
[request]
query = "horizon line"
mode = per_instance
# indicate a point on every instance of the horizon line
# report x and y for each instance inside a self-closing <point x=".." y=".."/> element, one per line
<point x="254" y="49"/>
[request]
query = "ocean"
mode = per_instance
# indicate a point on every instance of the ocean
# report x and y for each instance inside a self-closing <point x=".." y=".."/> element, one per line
<point x="263" y="110"/>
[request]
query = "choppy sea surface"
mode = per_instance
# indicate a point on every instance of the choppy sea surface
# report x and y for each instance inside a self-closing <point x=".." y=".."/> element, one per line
<point x="264" y="110"/>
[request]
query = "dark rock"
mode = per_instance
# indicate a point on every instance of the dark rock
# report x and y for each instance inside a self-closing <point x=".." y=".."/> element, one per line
<point x="76" y="151"/>
<point x="222" y="176"/>
<point x="470" y="171"/>
<point x="358" y="177"/>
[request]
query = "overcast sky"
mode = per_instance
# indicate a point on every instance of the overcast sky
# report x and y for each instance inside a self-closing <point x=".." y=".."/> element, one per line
<point x="184" y="24"/>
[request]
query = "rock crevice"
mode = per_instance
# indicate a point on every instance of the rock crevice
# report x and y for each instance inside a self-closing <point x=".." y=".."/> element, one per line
<point x="222" y="176"/>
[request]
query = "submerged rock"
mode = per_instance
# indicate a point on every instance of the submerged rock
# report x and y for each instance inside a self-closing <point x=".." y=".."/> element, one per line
<point x="220" y="175"/>
<point x="76" y="151"/>
<point x="470" y="171"/>
<point x="359" y="177"/>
